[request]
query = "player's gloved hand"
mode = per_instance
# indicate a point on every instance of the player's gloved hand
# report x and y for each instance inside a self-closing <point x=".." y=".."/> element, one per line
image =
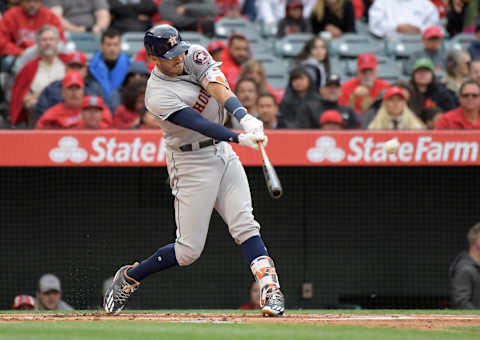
<point x="251" y="139"/>
<point x="251" y="124"/>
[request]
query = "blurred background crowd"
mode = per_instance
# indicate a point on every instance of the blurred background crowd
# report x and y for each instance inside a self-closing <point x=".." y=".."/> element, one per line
<point x="310" y="64"/>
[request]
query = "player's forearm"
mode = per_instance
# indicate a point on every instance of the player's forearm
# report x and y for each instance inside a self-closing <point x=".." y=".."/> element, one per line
<point x="228" y="99"/>
<point x="191" y="119"/>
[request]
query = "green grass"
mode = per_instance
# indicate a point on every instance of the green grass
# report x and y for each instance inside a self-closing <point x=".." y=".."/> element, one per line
<point x="146" y="330"/>
<point x="103" y="330"/>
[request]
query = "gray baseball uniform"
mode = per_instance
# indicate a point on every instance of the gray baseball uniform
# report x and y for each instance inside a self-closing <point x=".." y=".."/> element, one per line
<point x="204" y="178"/>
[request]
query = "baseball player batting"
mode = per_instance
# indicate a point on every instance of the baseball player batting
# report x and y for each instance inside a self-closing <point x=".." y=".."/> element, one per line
<point x="189" y="96"/>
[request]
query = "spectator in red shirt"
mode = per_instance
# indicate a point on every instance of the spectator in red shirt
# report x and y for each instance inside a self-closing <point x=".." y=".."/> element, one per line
<point x="228" y="8"/>
<point x="143" y="56"/>
<point x="254" y="293"/>
<point x="20" y="24"/>
<point x="92" y="114"/>
<point x="67" y="113"/>
<point x="128" y="115"/>
<point x="215" y="48"/>
<point x="36" y="75"/>
<point x="360" y="92"/>
<point x="23" y="302"/>
<point x="233" y="57"/>
<point x="331" y="120"/>
<point x="466" y="116"/>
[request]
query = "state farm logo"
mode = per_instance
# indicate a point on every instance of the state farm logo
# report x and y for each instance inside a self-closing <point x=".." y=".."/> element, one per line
<point x="368" y="149"/>
<point x="103" y="149"/>
<point x="68" y="149"/>
<point x="326" y="148"/>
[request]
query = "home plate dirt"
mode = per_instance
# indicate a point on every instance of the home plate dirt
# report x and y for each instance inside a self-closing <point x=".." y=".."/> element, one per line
<point x="381" y="320"/>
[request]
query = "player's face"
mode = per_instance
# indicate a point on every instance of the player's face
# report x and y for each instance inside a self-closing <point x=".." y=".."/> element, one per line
<point x="92" y="117"/>
<point x="49" y="300"/>
<point x="110" y="48"/>
<point x="172" y="67"/>
<point x="394" y="105"/>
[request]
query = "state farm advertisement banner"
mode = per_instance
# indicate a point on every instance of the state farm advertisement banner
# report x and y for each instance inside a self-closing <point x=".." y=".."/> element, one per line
<point x="285" y="148"/>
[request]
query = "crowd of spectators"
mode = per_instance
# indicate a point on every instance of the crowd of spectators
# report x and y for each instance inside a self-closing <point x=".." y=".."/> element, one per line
<point x="47" y="84"/>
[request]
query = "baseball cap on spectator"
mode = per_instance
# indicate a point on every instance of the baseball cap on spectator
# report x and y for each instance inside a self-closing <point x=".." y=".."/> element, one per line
<point x="433" y="32"/>
<point x="92" y="101"/>
<point x="394" y="90"/>
<point x="333" y="79"/>
<point x="366" y="60"/>
<point x="423" y="63"/>
<point x="331" y="116"/>
<point x="294" y="3"/>
<point x="23" y="301"/>
<point x="73" y="78"/>
<point x="215" y="45"/>
<point x="49" y="282"/>
<point x="77" y="57"/>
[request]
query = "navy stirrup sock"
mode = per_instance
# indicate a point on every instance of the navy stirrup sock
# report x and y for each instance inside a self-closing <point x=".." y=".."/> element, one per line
<point x="163" y="258"/>
<point x="253" y="248"/>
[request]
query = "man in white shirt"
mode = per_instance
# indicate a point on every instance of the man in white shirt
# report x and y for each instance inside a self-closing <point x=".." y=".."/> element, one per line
<point x="389" y="18"/>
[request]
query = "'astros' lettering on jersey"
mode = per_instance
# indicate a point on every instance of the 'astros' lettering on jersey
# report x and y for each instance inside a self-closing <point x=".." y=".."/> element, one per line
<point x="166" y="95"/>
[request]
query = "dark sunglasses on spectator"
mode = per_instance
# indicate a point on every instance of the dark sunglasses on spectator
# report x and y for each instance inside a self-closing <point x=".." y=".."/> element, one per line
<point x="469" y="95"/>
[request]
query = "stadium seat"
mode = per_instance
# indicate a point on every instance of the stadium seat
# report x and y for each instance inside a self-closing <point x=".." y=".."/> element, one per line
<point x="352" y="45"/>
<point x="269" y="30"/>
<point x="291" y="45"/>
<point x="337" y="67"/>
<point x="132" y="42"/>
<point x="226" y="26"/>
<point x="276" y="72"/>
<point x="461" y="41"/>
<point x="195" y="38"/>
<point x="403" y="46"/>
<point x="88" y="43"/>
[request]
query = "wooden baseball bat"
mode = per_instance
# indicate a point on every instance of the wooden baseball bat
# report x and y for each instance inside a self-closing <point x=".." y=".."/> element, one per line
<point x="273" y="183"/>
